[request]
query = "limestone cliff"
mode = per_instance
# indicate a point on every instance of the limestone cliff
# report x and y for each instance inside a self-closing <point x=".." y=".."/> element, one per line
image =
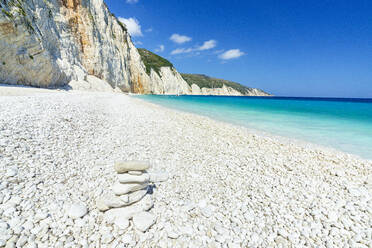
<point x="50" y="43"/>
<point x="166" y="80"/>
<point x="80" y="44"/>
<point x="226" y="91"/>
<point x="204" y="85"/>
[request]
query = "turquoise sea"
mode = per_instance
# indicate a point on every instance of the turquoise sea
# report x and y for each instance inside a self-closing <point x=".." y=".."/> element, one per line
<point x="344" y="124"/>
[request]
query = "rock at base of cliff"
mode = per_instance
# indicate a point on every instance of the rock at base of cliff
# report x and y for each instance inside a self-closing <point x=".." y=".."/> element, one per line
<point x="92" y="83"/>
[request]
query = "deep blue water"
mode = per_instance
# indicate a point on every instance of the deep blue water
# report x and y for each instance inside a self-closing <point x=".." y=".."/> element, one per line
<point x="344" y="124"/>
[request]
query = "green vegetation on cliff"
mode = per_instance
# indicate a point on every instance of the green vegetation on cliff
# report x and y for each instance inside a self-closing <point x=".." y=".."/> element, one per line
<point x="204" y="81"/>
<point x="153" y="61"/>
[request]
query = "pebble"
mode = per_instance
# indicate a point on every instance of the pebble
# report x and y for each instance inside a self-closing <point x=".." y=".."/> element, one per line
<point x="207" y="211"/>
<point x="21" y="241"/>
<point x="159" y="177"/>
<point x="3" y="225"/>
<point x="32" y="245"/>
<point x="3" y="185"/>
<point x="127" y="239"/>
<point x="332" y="216"/>
<point x="18" y="229"/>
<point x="11" y="172"/>
<point x="233" y="245"/>
<point x="41" y="216"/>
<point x="101" y="205"/>
<point x="172" y="234"/>
<point x="187" y="230"/>
<point x="143" y="221"/>
<point x="11" y="242"/>
<point x="107" y="238"/>
<point x="282" y="242"/>
<point x="15" y="221"/>
<point x="122" y="223"/>
<point x="76" y="211"/>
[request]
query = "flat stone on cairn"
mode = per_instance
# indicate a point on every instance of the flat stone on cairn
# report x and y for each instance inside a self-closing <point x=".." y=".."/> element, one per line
<point x="125" y="188"/>
<point x="129" y="196"/>
<point x="125" y="166"/>
<point x="128" y="178"/>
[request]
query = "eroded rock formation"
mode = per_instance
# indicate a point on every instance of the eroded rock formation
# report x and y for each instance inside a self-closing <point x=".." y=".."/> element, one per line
<point x="47" y="43"/>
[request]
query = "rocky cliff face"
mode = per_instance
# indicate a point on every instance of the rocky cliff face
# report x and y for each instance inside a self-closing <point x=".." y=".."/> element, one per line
<point x="79" y="43"/>
<point x="168" y="81"/>
<point x="204" y="85"/>
<point x="49" y="43"/>
<point x="165" y="79"/>
<point x="224" y="90"/>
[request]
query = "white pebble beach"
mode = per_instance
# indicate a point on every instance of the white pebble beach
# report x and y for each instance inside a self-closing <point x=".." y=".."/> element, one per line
<point x="227" y="186"/>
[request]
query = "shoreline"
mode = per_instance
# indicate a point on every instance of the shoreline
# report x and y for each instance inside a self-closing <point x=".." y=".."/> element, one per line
<point x="21" y="90"/>
<point x="226" y="187"/>
<point x="266" y="134"/>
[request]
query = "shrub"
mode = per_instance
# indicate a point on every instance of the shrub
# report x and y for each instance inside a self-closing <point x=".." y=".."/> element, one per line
<point x="204" y="81"/>
<point x="153" y="61"/>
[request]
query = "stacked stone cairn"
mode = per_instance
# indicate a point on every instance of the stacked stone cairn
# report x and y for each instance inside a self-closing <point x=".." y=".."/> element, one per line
<point x="129" y="199"/>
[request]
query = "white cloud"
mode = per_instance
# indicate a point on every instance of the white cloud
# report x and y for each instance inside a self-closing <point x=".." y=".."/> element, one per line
<point x="160" y="49"/>
<point x="133" y="26"/>
<point x="231" y="54"/>
<point x="196" y="49"/>
<point x="132" y="1"/>
<point x="179" y="38"/>
<point x="208" y="45"/>
<point x="182" y="50"/>
<point x="149" y="30"/>
<point x="137" y="42"/>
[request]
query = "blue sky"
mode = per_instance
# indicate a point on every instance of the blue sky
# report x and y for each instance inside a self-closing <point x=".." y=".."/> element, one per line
<point x="288" y="48"/>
